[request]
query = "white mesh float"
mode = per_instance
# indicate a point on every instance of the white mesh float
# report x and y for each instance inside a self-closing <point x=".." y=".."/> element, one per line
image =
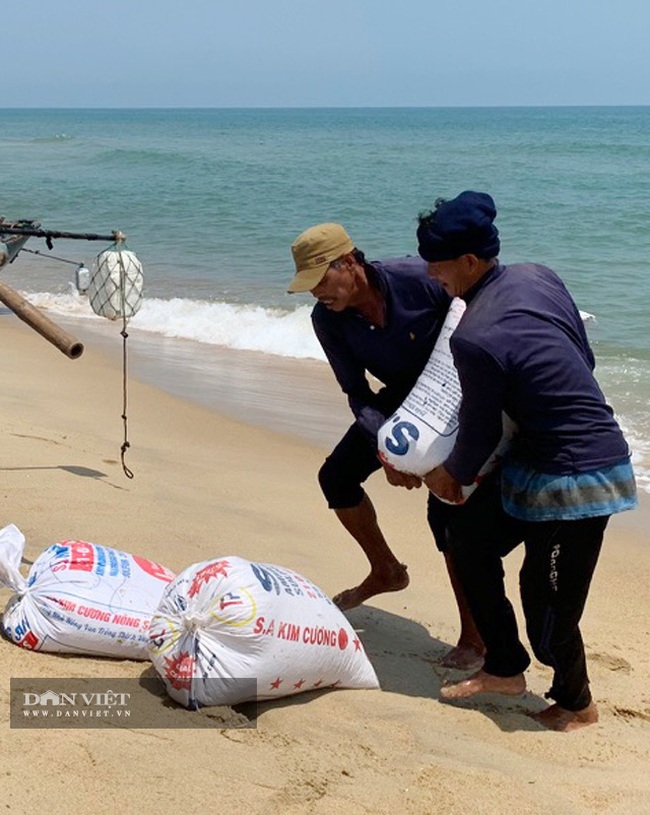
<point x="115" y="288"/>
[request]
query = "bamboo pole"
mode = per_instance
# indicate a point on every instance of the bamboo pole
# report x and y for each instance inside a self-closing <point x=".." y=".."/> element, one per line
<point x="35" y="319"/>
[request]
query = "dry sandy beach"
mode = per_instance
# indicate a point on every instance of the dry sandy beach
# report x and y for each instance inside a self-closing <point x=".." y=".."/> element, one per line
<point x="206" y="485"/>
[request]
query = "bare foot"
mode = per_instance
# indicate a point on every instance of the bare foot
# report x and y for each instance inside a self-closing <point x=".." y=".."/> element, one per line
<point x="463" y="658"/>
<point x="483" y="682"/>
<point x="563" y="720"/>
<point x="373" y="584"/>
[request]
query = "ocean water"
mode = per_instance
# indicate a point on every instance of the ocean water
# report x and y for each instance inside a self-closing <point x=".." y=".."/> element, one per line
<point x="211" y="200"/>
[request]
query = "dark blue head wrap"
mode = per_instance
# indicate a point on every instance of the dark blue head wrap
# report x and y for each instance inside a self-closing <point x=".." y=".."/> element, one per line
<point x="462" y="226"/>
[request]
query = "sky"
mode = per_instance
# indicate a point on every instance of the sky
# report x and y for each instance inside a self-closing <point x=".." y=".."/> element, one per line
<point x="310" y="53"/>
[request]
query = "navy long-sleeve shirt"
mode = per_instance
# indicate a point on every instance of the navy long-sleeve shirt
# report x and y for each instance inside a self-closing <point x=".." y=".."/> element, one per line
<point x="414" y="309"/>
<point x="521" y="347"/>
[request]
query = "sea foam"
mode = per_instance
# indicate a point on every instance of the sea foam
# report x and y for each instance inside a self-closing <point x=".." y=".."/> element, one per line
<point x="241" y="327"/>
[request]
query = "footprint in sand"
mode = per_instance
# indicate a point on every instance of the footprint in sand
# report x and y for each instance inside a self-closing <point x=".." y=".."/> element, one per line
<point x="630" y="714"/>
<point x="610" y="662"/>
<point x="36" y="438"/>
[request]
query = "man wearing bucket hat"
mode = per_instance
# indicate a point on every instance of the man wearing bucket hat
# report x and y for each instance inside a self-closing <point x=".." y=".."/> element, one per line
<point x="381" y="318"/>
<point x="521" y="348"/>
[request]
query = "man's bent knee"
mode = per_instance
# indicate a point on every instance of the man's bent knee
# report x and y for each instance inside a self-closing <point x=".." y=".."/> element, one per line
<point x="340" y="492"/>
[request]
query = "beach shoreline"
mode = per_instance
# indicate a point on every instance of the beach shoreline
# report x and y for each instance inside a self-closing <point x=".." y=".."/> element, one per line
<point x="207" y="485"/>
<point x="296" y="396"/>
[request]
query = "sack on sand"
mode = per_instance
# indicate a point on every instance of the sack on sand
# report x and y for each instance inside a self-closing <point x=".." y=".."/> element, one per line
<point x="80" y="598"/>
<point x="422" y="432"/>
<point x="230" y="631"/>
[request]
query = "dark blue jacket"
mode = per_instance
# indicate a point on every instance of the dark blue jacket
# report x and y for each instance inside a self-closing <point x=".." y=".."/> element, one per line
<point x="415" y="308"/>
<point x="521" y="347"/>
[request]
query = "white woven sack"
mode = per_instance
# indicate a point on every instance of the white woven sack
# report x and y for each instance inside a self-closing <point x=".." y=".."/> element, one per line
<point x="422" y="432"/>
<point x="80" y="598"/>
<point x="229" y="631"/>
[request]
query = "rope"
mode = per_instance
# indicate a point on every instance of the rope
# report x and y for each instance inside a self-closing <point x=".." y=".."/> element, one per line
<point x="51" y="257"/>
<point x="125" y="446"/>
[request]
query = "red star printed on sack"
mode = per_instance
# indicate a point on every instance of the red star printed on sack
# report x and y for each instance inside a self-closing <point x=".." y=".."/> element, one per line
<point x="217" y="569"/>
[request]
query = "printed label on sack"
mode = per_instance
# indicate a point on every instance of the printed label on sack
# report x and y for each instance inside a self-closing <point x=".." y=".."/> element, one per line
<point x="436" y="400"/>
<point x="306" y="634"/>
<point x="86" y="598"/>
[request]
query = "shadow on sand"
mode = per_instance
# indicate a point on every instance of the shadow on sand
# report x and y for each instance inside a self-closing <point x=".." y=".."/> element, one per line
<point x="406" y="659"/>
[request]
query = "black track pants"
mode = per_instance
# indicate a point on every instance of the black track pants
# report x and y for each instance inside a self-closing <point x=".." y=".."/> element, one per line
<point x="554" y="580"/>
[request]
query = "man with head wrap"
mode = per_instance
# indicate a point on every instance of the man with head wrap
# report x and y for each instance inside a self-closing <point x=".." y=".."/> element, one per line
<point x="521" y="348"/>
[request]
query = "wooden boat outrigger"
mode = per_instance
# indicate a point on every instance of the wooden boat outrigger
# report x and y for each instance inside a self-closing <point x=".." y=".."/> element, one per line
<point x="13" y="236"/>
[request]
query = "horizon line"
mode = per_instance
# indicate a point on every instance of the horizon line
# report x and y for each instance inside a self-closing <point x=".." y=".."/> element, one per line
<point x="318" y="107"/>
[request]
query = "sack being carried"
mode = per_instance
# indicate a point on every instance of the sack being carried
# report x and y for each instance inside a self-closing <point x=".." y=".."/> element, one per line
<point x="422" y="432"/>
<point x="80" y="598"/>
<point x="230" y="631"/>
